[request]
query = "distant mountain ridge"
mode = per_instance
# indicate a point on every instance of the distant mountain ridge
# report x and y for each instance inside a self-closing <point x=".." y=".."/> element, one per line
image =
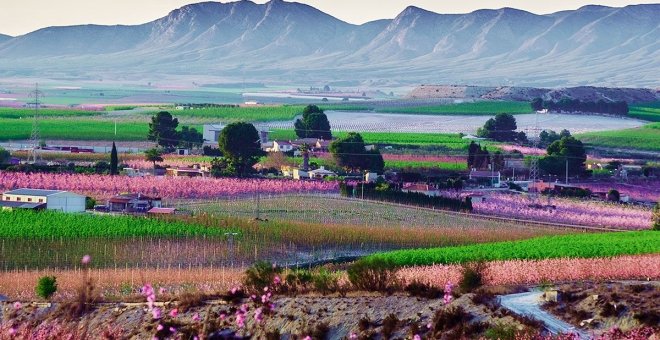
<point x="292" y="42"/>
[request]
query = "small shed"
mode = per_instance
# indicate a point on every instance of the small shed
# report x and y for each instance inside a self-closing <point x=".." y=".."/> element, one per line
<point x="162" y="211"/>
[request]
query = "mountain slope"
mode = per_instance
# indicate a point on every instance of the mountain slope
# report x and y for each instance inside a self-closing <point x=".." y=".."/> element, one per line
<point x="291" y="42"/>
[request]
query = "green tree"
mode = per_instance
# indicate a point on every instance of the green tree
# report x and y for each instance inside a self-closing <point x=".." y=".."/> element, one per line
<point x="502" y="128"/>
<point x="190" y="138"/>
<point x="498" y="161"/>
<point x="114" y="160"/>
<point x="162" y="130"/>
<point x="656" y="217"/>
<point x="613" y="195"/>
<point x="314" y="124"/>
<point x="349" y="152"/>
<point x="240" y="144"/>
<point x="473" y="149"/>
<point x="46" y="287"/>
<point x="153" y="155"/>
<point x="567" y="149"/>
<point x="4" y="156"/>
<point x="537" y="104"/>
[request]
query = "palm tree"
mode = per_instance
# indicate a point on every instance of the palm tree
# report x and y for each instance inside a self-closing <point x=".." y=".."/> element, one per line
<point x="153" y="155"/>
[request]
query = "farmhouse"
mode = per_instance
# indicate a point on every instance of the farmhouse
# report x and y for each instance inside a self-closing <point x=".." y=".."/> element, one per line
<point x="321" y="173"/>
<point x="420" y="188"/>
<point x="43" y="199"/>
<point x="195" y="171"/>
<point x="281" y="146"/>
<point x="133" y="203"/>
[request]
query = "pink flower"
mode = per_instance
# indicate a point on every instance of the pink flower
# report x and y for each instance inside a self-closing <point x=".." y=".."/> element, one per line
<point x="240" y="319"/>
<point x="223" y="316"/>
<point x="196" y="317"/>
<point x="86" y="259"/>
<point x="429" y="325"/>
<point x="172" y="330"/>
<point x="234" y="290"/>
<point x="162" y="290"/>
<point x="277" y="280"/>
<point x="307" y="338"/>
<point x="17" y="305"/>
<point x="258" y="315"/>
<point x="265" y="289"/>
<point x="174" y="312"/>
<point x="353" y="336"/>
<point x="159" y="327"/>
<point x="156" y="313"/>
<point x="244" y="308"/>
<point x="12" y="331"/>
<point x="417" y="337"/>
<point x="264" y="299"/>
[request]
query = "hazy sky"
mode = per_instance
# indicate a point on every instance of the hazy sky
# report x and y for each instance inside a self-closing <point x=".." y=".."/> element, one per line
<point x="22" y="16"/>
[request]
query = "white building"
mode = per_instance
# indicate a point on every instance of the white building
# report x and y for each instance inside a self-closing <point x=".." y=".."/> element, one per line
<point x="211" y="132"/>
<point x="321" y="173"/>
<point x="53" y="199"/>
<point x="281" y="146"/>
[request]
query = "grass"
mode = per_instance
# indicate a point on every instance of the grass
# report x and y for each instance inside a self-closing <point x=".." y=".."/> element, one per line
<point x="572" y="246"/>
<point x="647" y="111"/>
<point x="476" y="108"/>
<point x="646" y="137"/>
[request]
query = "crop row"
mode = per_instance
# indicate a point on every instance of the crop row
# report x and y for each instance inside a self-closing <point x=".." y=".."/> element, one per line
<point x="572" y="246"/>
<point x="567" y="211"/>
<point x="101" y="187"/>
<point x="538" y="271"/>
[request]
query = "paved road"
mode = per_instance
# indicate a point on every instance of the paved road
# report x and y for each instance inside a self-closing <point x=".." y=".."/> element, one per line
<point x="528" y="304"/>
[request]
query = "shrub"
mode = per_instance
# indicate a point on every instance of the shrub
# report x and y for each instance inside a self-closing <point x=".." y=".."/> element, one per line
<point x="449" y="318"/>
<point x="390" y="325"/>
<point x="260" y="275"/>
<point x="472" y="277"/>
<point x="298" y="280"/>
<point x="46" y="287"/>
<point x="325" y="282"/>
<point x="421" y="289"/>
<point x="649" y="318"/>
<point x="501" y="331"/>
<point x="373" y="275"/>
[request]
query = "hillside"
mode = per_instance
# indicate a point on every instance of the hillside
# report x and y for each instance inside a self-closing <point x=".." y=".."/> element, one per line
<point x="286" y="40"/>
<point x="584" y="93"/>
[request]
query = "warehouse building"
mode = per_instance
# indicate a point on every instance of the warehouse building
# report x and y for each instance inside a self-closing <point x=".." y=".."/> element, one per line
<point x="38" y="199"/>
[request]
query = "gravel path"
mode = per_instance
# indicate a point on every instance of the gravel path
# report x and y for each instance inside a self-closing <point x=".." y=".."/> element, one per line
<point x="528" y="304"/>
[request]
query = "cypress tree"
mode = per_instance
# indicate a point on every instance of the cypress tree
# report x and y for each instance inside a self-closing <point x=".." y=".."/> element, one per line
<point x="114" y="160"/>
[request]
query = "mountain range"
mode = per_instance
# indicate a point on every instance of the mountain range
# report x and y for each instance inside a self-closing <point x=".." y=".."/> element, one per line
<point x="288" y="42"/>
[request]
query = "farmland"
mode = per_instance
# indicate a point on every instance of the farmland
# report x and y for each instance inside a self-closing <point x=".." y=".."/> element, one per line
<point x="78" y="129"/>
<point x="564" y="246"/>
<point x="644" y="138"/>
<point x="597" y="214"/>
<point x="291" y="234"/>
<point x="649" y="111"/>
<point x="489" y="108"/>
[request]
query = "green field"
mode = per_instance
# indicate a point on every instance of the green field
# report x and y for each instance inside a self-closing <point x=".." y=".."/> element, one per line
<point x="70" y="129"/>
<point x="648" y="111"/>
<point x="476" y="108"/>
<point x="573" y="246"/>
<point x="646" y="137"/>
<point x="450" y="140"/>
<point x="29" y="113"/>
<point x="22" y="224"/>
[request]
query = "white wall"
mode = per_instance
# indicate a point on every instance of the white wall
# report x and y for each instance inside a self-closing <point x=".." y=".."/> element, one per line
<point x="66" y="202"/>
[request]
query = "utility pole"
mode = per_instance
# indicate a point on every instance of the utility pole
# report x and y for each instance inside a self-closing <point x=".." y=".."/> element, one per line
<point x="34" y="155"/>
<point x="566" y="170"/>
